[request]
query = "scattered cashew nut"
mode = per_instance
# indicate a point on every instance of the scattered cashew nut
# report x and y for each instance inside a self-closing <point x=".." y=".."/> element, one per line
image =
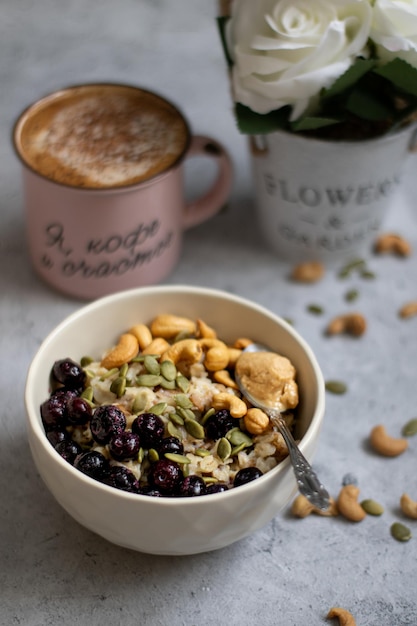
<point x="205" y="331"/>
<point x="302" y="507"/>
<point x="159" y="345"/>
<point x="216" y="354"/>
<point x="351" y="323"/>
<point x="345" y="617"/>
<point x="223" y="377"/>
<point x="188" y="350"/>
<point x="385" y="444"/>
<point x="125" y="351"/>
<point x="348" y="505"/>
<point x="393" y="244"/>
<point x="309" y="272"/>
<point x="256" y="421"/>
<point x="408" y="310"/>
<point x="142" y="334"/>
<point x="232" y="403"/>
<point x="168" y="326"/>
<point x="408" y="506"/>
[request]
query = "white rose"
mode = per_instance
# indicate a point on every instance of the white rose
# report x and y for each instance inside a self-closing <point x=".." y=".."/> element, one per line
<point x="394" y="29"/>
<point x="286" y="51"/>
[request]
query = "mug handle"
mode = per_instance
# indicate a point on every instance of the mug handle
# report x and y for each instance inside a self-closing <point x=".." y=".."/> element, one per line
<point x="213" y="200"/>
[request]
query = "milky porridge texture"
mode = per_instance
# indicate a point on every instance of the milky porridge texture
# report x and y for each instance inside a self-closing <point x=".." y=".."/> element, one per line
<point x="103" y="137"/>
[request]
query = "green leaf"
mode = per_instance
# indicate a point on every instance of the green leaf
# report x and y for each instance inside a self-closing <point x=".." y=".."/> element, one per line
<point x="313" y="123"/>
<point x="401" y="74"/>
<point x="368" y="106"/>
<point x="349" y="78"/>
<point x="221" y="22"/>
<point x="251" y="123"/>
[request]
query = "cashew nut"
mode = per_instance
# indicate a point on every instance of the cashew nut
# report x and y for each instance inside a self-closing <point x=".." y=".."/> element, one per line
<point x="309" y="272"/>
<point x="234" y="354"/>
<point x="242" y="343"/>
<point x="408" y="310"/>
<point x="351" y="324"/>
<point x="125" y="351"/>
<point x="348" y="505"/>
<point x="168" y="326"/>
<point x="256" y="421"/>
<point x="157" y="346"/>
<point x="408" y="506"/>
<point x="384" y="444"/>
<point x="183" y="353"/>
<point x="301" y="507"/>
<point x="204" y="330"/>
<point x="223" y="377"/>
<point x="217" y="354"/>
<point x="345" y="617"/>
<point x="142" y="334"/>
<point x="393" y="244"/>
<point x="232" y="403"/>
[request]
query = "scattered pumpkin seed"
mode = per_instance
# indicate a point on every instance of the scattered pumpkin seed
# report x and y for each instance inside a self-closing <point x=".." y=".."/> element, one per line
<point x="182" y="383"/>
<point x="140" y="402"/>
<point x="168" y="370"/>
<point x="372" y="507"/>
<point x="194" y="429"/>
<point x="109" y="373"/>
<point x="141" y="455"/>
<point x="237" y="437"/>
<point x="141" y="357"/>
<point x="167" y="384"/>
<point x="148" y="380"/>
<point x="151" y="365"/>
<point x="349" y="267"/>
<point x="368" y="274"/>
<point x="224" y="448"/>
<point x="336" y="386"/>
<point x="176" y="419"/>
<point x="187" y="414"/>
<point x="351" y="295"/>
<point x="181" y="459"/>
<point x="153" y="455"/>
<point x="173" y="430"/>
<point x="118" y="386"/>
<point x="410" y="428"/>
<point x="159" y="408"/>
<point x="183" y="334"/>
<point x="400" y="532"/>
<point x="86" y="360"/>
<point x="208" y="414"/>
<point x="316" y="309"/>
<point x="238" y="449"/>
<point x="202" y="452"/>
<point x="210" y="480"/>
<point x="123" y="370"/>
<point x="88" y="394"/>
<point x="183" y="401"/>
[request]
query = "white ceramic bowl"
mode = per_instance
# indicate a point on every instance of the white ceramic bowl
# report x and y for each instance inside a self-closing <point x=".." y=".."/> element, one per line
<point x="171" y="526"/>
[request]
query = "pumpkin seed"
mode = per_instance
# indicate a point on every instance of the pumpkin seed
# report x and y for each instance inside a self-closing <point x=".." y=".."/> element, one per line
<point x="167" y="384"/>
<point x="238" y="449"/>
<point x="224" y="448"/>
<point x="181" y="459"/>
<point x="372" y="507"/>
<point x="400" y="532"/>
<point x="210" y="480"/>
<point x="185" y="470"/>
<point x="237" y="437"/>
<point x="141" y="357"/>
<point x="153" y="455"/>
<point x="141" y="455"/>
<point x="176" y="419"/>
<point x="187" y="414"/>
<point x="183" y="401"/>
<point x="183" y="383"/>
<point x="208" y="414"/>
<point x="86" y="360"/>
<point x="368" y="274"/>
<point x="316" y="309"/>
<point x="151" y="365"/>
<point x="173" y="430"/>
<point x="140" y="402"/>
<point x="336" y="386"/>
<point x="148" y="380"/>
<point x="88" y="394"/>
<point x="351" y="295"/>
<point x="118" y="386"/>
<point x="202" y="452"/>
<point x="123" y="370"/>
<point x="109" y="373"/>
<point x="194" y="429"/>
<point x="168" y="370"/>
<point x="159" y="408"/>
<point x="183" y="334"/>
<point x="410" y="429"/>
<point x="349" y="267"/>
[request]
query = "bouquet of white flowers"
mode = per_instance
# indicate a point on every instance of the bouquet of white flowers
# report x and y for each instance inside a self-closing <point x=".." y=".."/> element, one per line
<point x="333" y="68"/>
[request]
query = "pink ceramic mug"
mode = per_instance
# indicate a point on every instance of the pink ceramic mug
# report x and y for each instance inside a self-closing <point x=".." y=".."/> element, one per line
<point x="104" y="190"/>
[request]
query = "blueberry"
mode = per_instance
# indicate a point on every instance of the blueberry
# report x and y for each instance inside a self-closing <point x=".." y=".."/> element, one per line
<point x="170" y="444"/>
<point x="92" y="463"/>
<point x="69" y="373"/>
<point x="150" y="429"/>
<point x="68" y="449"/>
<point x="56" y="436"/>
<point x="124" y="446"/>
<point x="217" y="488"/>
<point x="122" y="478"/>
<point x="246" y="475"/>
<point x="165" y="476"/>
<point x="78" y="411"/>
<point x="149" y="491"/>
<point x="54" y="409"/>
<point x="219" y="424"/>
<point x="192" y="486"/>
<point x="107" y="420"/>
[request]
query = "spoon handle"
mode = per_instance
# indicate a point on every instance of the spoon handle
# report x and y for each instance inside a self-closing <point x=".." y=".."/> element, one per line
<point x="307" y="480"/>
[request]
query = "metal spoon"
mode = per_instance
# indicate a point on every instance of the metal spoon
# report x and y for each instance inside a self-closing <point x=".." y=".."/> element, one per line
<point x="308" y="483"/>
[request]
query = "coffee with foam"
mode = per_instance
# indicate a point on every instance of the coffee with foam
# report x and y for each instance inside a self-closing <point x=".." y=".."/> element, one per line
<point x="101" y="136"/>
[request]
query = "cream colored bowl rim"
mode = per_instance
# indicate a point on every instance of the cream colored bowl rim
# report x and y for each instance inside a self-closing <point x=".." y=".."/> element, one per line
<point x="33" y="417"/>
